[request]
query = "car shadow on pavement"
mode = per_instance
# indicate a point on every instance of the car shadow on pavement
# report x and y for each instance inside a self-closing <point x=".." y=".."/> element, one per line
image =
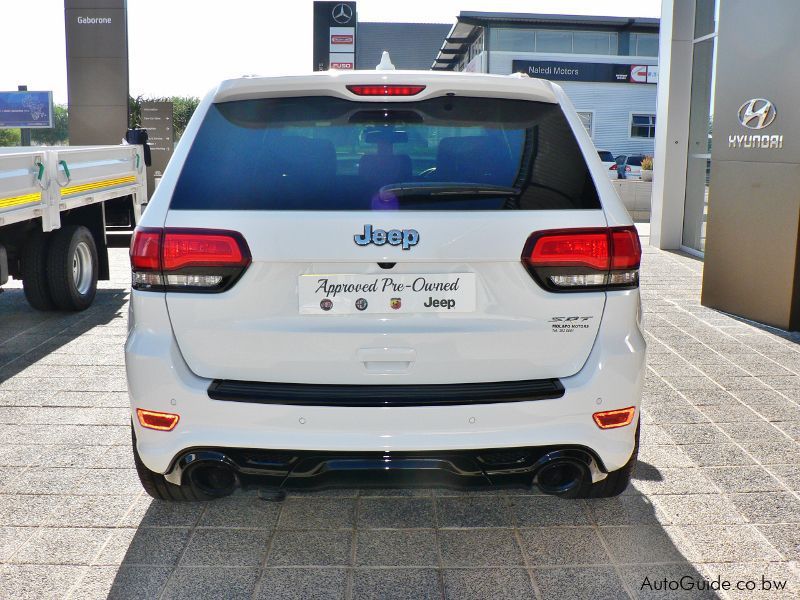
<point x="28" y="336"/>
<point x="406" y="543"/>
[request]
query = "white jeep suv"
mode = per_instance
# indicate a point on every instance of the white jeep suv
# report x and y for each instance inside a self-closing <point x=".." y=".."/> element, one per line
<point x="385" y="278"/>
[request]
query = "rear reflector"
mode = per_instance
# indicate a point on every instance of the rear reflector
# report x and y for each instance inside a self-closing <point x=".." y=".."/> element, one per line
<point x="567" y="260"/>
<point x="609" y="419"/>
<point x="386" y="90"/>
<point x="187" y="260"/>
<point x="160" y="421"/>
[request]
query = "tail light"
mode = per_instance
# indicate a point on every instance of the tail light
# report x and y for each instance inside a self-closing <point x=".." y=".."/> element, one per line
<point x="187" y="260"/>
<point x="610" y="419"/>
<point x="627" y="169"/>
<point x="386" y="90"/>
<point x="572" y="260"/>
<point x="613" y="167"/>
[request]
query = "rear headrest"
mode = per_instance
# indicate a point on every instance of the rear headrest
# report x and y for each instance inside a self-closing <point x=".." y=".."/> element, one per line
<point x="385" y="168"/>
<point x="295" y="155"/>
<point x="474" y="158"/>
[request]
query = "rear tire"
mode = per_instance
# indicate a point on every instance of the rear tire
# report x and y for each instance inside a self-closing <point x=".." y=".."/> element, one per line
<point x="615" y="482"/>
<point x="72" y="268"/>
<point x="158" y="487"/>
<point x="34" y="273"/>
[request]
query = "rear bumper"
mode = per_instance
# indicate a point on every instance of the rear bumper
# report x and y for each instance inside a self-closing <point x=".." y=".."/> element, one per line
<point x="516" y="467"/>
<point x="158" y="379"/>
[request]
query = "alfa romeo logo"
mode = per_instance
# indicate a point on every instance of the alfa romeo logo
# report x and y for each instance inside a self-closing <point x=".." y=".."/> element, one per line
<point x="342" y="13"/>
<point x="757" y="113"/>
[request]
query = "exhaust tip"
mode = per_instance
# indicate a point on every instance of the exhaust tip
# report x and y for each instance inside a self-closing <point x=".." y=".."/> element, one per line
<point x="215" y="479"/>
<point x="562" y="477"/>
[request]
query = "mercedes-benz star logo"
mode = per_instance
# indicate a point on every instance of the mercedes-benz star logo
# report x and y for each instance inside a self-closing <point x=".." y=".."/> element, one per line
<point x="342" y="13"/>
<point x="757" y="113"/>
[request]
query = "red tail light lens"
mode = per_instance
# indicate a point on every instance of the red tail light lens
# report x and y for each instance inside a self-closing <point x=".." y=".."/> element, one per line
<point x="201" y="249"/>
<point x="612" y="168"/>
<point x="627" y="253"/>
<point x="386" y="90"/>
<point x="627" y="169"/>
<point x="187" y="260"/>
<point x="145" y="250"/>
<point x="570" y="260"/>
<point x="572" y="249"/>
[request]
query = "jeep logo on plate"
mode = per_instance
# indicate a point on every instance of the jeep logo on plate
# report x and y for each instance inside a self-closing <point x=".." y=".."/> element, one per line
<point x="394" y="237"/>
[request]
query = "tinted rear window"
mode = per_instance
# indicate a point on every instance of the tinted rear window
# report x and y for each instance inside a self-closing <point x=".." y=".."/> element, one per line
<point x="605" y="156"/>
<point x="323" y="153"/>
<point x="635" y="161"/>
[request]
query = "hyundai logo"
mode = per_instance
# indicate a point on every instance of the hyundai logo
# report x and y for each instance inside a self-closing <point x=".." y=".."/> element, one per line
<point x="342" y="13"/>
<point x="757" y="113"/>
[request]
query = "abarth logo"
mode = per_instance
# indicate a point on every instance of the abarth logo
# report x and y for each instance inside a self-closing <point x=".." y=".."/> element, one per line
<point x="394" y="237"/>
<point x="395" y="303"/>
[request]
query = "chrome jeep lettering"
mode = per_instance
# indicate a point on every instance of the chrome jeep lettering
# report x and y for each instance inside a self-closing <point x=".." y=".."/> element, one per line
<point x="394" y="237"/>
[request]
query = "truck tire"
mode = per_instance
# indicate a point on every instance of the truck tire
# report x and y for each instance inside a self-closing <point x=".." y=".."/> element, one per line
<point x="158" y="487"/>
<point x="72" y="268"/>
<point x="34" y="272"/>
<point x="615" y="482"/>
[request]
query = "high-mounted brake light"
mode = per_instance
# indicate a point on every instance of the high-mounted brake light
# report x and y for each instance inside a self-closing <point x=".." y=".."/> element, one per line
<point x="386" y="90"/>
<point x="159" y="421"/>
<point x="187" y="260"/>
<point x="571" y="260"/>
<point x="609" y="419"/>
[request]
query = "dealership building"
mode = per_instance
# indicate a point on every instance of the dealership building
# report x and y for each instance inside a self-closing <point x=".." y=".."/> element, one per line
<point x="608" y="66"/>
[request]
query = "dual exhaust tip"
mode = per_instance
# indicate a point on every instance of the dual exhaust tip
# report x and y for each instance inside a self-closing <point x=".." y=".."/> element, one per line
<point x="563" y="473"/>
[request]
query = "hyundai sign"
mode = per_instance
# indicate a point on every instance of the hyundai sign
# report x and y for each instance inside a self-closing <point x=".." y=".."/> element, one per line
<point x="26" y="109"/>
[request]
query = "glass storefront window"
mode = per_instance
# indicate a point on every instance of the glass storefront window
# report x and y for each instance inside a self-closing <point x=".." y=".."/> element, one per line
<point x="591" y="42"/>
<point x="554" y="41"/>
<point x="513" y="40"/>
<point x="704" y="12"/>
<point x="698" y="165"/>
<point x="644" y="44"/>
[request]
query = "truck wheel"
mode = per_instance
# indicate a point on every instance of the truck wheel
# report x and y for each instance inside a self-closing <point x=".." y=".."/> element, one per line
<point x="72" y="268"/>
<point x="158" y="487"/>
<point x="34" y="272"/>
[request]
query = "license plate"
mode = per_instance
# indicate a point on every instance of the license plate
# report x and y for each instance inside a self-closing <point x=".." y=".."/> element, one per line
<point x="386" y="294"/>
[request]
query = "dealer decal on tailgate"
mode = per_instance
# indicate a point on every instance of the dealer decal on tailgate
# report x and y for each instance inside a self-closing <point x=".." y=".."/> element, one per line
<point x="402" y="293"/>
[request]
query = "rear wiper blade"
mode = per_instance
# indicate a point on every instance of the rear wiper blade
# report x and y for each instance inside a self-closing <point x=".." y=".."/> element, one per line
<point x="443" y="189"/>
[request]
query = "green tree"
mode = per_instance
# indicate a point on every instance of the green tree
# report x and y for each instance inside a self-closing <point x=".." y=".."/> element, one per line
<point x="58" y="134"/>
<point x="9" y="137"/>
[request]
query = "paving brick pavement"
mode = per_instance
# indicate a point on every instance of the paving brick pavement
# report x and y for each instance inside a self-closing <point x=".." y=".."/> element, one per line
<point x="717" y="493"/>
